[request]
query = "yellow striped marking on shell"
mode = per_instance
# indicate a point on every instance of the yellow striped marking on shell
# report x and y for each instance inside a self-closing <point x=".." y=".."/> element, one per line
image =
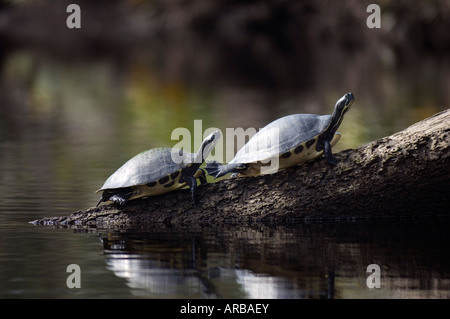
<point x="305" y="152"/>
<point x="163" y="185"/>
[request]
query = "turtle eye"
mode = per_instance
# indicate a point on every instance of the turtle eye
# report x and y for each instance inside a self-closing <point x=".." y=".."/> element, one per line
<point x="349" y="97"/>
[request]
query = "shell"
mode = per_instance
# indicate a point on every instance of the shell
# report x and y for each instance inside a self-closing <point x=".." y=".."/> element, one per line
<point x="147" y="167"/>
<point x="281" y="136"/>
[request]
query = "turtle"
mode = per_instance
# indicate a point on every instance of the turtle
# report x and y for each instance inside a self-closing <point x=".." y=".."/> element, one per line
<point x="292" y="140"/>
<point x="157" y="171"/>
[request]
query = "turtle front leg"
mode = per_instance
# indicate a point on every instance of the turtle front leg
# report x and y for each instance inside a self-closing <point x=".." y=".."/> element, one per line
<point x="192" y="182"/>
<point x="328" y="153"/>
<point x="202" y="177"/>
<point x="117" y="199"/>
<point x="120" y="196"/>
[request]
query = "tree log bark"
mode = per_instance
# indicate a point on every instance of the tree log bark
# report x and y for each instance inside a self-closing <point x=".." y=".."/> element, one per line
<point x="405" y="175"/>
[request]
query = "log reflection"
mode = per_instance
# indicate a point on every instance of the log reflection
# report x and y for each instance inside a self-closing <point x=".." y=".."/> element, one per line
<point x="306" y="261"/>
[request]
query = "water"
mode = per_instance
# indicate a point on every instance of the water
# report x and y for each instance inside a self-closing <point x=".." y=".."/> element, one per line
<point x="65" y="126"/>
<point x="302" y="261"/>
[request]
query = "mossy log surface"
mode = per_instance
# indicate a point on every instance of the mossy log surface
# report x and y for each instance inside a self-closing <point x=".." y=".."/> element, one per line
<point x="405" y="175"/>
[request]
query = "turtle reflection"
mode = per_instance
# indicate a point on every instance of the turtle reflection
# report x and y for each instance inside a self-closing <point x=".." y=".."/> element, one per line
<point x="165" y="265"/>
<point x="318" y="260"/>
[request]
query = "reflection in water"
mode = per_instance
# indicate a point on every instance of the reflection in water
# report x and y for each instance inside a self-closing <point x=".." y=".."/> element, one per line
<point x="156" y="278"/>
<point x="174" y="269"/>
<point x="305" y="261"/>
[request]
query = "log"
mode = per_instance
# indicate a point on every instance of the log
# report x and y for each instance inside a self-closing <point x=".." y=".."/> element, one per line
<point x="405" y="175"/>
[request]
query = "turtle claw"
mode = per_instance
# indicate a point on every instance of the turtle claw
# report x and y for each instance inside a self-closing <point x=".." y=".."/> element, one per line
<point x="202" y="177"/>
<point x="332" y="161"/>
<point x="328" y="154"/>
<point x="101" y="200"/>
<point x="192" y="183"/>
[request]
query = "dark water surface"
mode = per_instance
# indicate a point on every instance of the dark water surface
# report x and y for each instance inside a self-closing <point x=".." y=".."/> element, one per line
<point x="65" y="126"/>
<point x="300" y="261"/>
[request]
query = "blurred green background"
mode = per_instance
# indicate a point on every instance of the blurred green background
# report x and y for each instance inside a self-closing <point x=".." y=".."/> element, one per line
<point x="75" y="104"/>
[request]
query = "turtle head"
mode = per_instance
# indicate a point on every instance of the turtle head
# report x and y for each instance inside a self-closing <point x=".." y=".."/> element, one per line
<point x="207" y="146"/>
<point x="341" y="107"/>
